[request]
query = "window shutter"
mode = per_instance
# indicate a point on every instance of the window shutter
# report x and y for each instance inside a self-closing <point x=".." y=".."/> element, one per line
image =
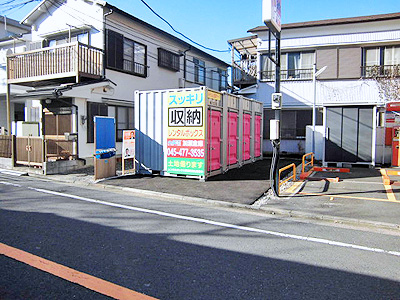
<point x="119" y="51"/>
<point x="329" y="58"/>
<point x="350" y="62"/>
<point x="114" y="49"/>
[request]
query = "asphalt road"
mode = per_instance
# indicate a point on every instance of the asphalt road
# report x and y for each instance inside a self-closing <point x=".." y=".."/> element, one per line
<point x="173" y="250"/>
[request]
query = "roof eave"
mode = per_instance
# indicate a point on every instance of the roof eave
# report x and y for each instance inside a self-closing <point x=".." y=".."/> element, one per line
<point x="330" y="22"/>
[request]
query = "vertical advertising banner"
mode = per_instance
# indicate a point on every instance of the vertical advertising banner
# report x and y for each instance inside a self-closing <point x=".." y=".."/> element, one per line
<point x="186" y="133"/>
<point x="271" y="14"/>
<point x="128" y="144"/>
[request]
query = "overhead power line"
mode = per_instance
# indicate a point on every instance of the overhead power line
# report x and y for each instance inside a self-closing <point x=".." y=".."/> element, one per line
<point x="10" y="5"/>
<point x="180" y="33"/>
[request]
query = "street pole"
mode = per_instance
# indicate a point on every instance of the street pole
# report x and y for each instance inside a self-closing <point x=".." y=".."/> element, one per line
<point x="314" y="113"/>
<point x="313" y="107"/>
<point x="8" y="96"/>
<point x="276" y="143"/>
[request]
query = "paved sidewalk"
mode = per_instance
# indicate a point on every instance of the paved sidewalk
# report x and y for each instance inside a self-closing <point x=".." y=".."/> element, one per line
<point x="242" y="186"/>
<point x="360" y="196"/>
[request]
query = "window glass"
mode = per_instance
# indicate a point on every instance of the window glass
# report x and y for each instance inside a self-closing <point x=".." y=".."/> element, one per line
<point x="139" y="54"/>
<point x="168" y="60"/>
<point x="199" y="71"/>
<point x="111" y="111"/>
<point x="83" y="38"/>
<point x="307" y="60"/>
<point x="94" y="109"/>
<point x="222" y="79"/>
<point x="293" y="61"/>
<point x="372" y="57"/>
<point x="124" y="117"/>
<point x="125" y="55"/>
<point x="267" y="67"/>
<point x="139" y="59"/>
<point x="392" y="56"/>
<point x="128" y="55"/>
<point x="284" y="61"/>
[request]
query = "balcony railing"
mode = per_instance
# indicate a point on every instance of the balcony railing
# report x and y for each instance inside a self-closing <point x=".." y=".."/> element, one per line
<point x="380" y="71"/>
<point x="68" y="60"/>
<point x="295" y="74"/>
<point x="244" y="71"/>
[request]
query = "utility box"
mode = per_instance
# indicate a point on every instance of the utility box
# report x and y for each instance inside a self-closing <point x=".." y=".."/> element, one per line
<point x="196" y="132"/>
<point x="395" y="147"/>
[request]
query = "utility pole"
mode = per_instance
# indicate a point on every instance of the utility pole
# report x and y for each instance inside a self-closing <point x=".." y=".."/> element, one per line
<point x="8" y="100"/>
<point x="276" y="137"/>
<point x="271" y="10"/>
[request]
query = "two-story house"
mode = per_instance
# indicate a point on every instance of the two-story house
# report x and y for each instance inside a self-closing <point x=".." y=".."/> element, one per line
<point x="349" y="53"/>
<point x="87" y="57"/>
<point x="11" y="32"/>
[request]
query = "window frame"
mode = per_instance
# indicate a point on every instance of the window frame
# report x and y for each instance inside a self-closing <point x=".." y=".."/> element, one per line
<point x="90" y="118"/>
<point x="383" y="68"/>
<point x="223" y="79"/>
<point x="117" y="117"/>
<point x="115" y="54"/>
<point x="168" y="60"/>
<point x="63" y="38"/>
<point x="286" y="73"/>
<point x="199" y="65"/>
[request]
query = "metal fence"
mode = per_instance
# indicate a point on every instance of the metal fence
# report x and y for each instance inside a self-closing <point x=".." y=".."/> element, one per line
<point x="295" y="74"/>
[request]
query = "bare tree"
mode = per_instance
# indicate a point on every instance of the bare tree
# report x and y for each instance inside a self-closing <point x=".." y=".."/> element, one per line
<point x="388" y="81"/>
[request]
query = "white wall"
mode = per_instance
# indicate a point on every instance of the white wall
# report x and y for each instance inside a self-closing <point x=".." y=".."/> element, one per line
<point x="158" y="77"/>
<point x="345" y="34"/>
<point x="76" y="13"/>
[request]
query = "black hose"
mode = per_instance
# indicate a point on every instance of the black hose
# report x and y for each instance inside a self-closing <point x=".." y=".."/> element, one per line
<point x="274" y="178"/>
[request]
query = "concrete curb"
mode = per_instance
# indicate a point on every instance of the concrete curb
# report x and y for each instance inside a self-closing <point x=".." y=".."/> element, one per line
<point x="218" y="203"/>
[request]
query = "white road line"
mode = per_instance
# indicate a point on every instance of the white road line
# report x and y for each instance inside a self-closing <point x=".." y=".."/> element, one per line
<point x="12" y="172"/>
<point x="9" y="183"/>
<point x="221" y="224"/>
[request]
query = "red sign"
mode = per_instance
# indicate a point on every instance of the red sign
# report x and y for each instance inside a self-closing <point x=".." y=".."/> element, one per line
<point x="184" y="148"/>
<point x="393" y="106"/>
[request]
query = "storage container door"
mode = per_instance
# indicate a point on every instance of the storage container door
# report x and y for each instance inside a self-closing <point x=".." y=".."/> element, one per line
<point x="214" y="140"/>
<point x="246" y="136"/>
<point x="257" y="136"/>
<point x="232" y="138"/>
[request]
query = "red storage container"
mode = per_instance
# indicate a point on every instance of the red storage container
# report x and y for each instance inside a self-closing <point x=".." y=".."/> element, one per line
<point x="214" y="138"/>
<point x="257" y="136"/>
<point x="232" y="147"/>
<point x="246" y="136"/>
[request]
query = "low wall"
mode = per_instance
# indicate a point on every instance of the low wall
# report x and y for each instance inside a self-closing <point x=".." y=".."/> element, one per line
<point x="61" y="166"/>
<point x="6" y="163"/>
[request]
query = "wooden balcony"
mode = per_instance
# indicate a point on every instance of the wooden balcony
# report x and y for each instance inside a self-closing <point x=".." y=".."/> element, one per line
<point x="73" y="62"/>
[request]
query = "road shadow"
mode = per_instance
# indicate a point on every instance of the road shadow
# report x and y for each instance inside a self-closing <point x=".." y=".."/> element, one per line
<point x="162" y="266"/>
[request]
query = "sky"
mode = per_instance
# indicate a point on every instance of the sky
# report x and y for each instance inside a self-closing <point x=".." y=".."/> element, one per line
<point x="213" y="22"/>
